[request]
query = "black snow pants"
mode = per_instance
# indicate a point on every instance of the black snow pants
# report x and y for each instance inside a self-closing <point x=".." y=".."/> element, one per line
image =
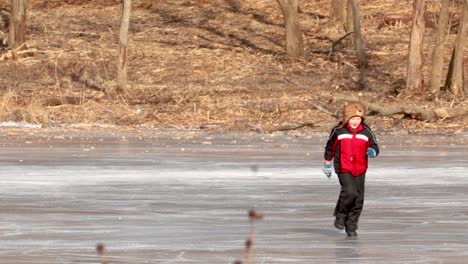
<point x="351" y="199"/>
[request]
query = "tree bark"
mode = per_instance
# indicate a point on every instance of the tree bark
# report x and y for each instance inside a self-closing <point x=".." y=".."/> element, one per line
<point x="414" y="79"/>
<point x="349" y="25"/>
<point x="17" y="31"/>
<point x="360" y="52"/>
<point x="294" y="40"/>
<point x="122" y="78"/>
<point x="454" y="82"/>
<point x="438" y="51"/>
<point x="338" y="10"/>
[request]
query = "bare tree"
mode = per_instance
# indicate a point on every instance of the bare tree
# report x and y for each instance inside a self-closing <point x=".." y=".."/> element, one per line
<point x="17" y="31"/>
<point x="294" y="40"/>
<point x="349" y="25"/>
<point x="4" y="25"/>
<point x="454" y="81"/>
<point x="438" y="51"/>
<point x="122" y="78"/>
<point x="414" y="78"/>
<point x="338" y="10"/>
<point x="361" y="53"/>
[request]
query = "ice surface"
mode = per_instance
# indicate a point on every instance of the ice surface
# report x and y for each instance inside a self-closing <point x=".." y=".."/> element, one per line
<point x="185" y="200"/>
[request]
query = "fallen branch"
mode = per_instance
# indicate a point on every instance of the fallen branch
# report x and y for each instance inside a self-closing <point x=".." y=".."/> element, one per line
<point x="255" y="128"/>
<point x="293" y="127"/>
<point x="322" y="109"/>
<point x="331" y="51"/>
<point x="63" y="100"/>
<point x="331" y="54"/>
<point x="17" y="53"/>
<point x="410" y="111"/>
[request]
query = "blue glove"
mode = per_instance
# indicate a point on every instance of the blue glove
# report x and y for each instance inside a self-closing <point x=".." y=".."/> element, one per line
<point x="327" y="169"/>
<point x="371" y="153"/>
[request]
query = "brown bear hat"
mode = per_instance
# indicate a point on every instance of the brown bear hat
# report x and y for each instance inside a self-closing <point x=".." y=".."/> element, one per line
<point x="352" y="109"/>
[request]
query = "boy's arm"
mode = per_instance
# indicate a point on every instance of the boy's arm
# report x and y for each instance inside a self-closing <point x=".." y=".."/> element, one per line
<point x="329" y="154"/>
<point x="373" y="143"/>
<point x="329" y="147"/>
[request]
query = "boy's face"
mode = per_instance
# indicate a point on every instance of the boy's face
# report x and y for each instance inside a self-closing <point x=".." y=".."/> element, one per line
<point x="354" y="122"/>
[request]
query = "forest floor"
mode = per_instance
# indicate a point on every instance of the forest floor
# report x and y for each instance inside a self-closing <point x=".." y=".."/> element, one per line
<point x="216" y="65"/>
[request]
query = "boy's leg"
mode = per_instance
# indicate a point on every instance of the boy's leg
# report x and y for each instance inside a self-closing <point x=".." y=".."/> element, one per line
<point x="355" y="211"/>
<point x="340" y="220"/>
<point x="346" y="200"/>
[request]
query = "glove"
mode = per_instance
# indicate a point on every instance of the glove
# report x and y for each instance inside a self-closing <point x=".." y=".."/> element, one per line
<point x="371" y="153"/>
<point x="327" y="169"/>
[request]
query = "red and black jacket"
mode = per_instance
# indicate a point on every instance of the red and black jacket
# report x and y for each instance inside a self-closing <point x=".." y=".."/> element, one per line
<point x="349" y="149"/>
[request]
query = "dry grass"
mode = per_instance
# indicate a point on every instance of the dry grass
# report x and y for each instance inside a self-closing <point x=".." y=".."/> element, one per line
<point x="202" y="64"/>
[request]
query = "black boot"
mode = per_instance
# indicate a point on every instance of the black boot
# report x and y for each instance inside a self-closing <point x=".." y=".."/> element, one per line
<point x="339" y="223"/>
<point x="351" y="233"/>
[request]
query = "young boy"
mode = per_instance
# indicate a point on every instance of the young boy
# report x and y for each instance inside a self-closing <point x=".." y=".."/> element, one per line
<point x="350" y="144"/>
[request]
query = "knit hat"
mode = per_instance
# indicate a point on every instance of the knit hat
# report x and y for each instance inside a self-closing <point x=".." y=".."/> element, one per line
<point x="352" y="109"/>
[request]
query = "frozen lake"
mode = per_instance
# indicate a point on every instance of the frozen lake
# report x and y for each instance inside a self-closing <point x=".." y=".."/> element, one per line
<point x="170" y="199"/>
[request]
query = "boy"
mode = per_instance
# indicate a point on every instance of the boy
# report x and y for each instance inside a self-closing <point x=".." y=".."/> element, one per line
<point x="350" y="144"/>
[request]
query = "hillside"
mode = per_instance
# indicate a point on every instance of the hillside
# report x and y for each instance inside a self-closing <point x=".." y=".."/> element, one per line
<point x="218" y="65"/>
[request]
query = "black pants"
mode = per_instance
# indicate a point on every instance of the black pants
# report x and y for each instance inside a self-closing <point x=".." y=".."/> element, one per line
<point x="351" y="199"/>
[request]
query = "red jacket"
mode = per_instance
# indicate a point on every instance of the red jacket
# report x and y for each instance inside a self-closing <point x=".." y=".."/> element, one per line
<point x="349" y="149"/>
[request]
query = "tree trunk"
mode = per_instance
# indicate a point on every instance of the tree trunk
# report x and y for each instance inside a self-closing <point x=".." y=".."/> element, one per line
<point x="123" y="40"/>
<point x="438" y="51"/>
<point x="17" y="31"/>
<point x="414" y="79"/>
<point x="349" y="25"/>
<point x="409" y="110"/>
<point x="454" y="81"/>
<point x="338" y="10"/>
<point x="361" y="53"/>
<point x="294" y="41"/>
